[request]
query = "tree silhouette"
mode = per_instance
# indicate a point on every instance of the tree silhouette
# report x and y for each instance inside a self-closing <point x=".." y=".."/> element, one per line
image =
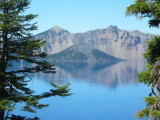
<point x="17" y="45"/>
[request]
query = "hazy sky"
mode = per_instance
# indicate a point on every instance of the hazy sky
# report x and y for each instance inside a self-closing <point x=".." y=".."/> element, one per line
<point x="84" y="15"/>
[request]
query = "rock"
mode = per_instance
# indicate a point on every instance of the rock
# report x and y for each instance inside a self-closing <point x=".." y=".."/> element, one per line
<point x="111" y="40"/>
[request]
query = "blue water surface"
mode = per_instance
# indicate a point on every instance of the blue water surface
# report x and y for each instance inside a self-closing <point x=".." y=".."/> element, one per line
<point x="102" y="91"/>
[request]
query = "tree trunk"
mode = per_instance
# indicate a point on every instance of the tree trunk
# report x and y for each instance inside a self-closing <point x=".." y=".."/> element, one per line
<point x="2" y="115"/>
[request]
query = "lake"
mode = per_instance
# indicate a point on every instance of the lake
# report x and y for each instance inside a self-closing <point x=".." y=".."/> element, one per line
<point x="102" y="91"/>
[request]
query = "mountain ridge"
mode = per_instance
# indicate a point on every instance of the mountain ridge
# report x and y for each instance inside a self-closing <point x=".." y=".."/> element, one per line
<point x="110" y="26"/>
<point x="111" y="40"/>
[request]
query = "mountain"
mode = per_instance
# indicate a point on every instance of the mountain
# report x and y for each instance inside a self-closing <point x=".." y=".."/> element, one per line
<point x="111" y="40"/>
<point x="82" y="52"/>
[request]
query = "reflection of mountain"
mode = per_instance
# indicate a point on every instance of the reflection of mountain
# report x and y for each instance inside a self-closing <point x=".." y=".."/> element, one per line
<point x="106" y="74"/>
<point x="73" y="67"/>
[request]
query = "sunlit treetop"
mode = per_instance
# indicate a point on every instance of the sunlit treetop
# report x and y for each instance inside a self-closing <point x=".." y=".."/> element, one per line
<point x="146" y="9"/>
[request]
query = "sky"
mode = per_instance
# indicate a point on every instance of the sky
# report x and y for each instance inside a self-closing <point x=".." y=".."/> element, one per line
<point x="84" y="15"/>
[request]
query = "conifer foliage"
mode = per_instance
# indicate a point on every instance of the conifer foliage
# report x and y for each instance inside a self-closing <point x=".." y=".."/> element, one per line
<point x="16" y="45"/>
<point x="150" y="9"/>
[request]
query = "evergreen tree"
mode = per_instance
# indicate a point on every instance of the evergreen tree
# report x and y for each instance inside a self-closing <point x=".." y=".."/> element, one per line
<point x="16" y="45"/>
<point x="150" y="9"/>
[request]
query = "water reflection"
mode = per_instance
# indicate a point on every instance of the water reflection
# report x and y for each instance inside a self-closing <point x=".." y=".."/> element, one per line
<point x="92" y="100"/>
<point x="111" y="74"/>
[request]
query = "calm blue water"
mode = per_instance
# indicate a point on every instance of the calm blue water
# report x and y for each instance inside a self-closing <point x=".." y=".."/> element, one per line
<point x="102" y="91"/>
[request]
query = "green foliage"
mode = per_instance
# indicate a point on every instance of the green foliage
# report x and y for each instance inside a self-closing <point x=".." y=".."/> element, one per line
<point x="155" y="114"/>
<point x="152" y="53"/>
<point x="18" y="117"/>
<point x="150" y="101"/>
<point x="150" y="111"/>
<point x="68" y="55"/>
<point x="143" y="113"/>
<point x="103" y="56"/>
<point x="16" y="45"/>
<point x="72" y="54"/>
<point x="61" y="90"/>
<point x="32" y="104"/>
<point x="7" y="105"/>
<point x="146" y="8"/>
<point x="145" y="77"/>
<point x="150" y="9"/>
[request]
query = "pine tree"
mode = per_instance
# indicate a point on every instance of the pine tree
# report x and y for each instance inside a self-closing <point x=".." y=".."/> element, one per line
<point x="17" y="44"/>
<point x="150" y="9"/>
